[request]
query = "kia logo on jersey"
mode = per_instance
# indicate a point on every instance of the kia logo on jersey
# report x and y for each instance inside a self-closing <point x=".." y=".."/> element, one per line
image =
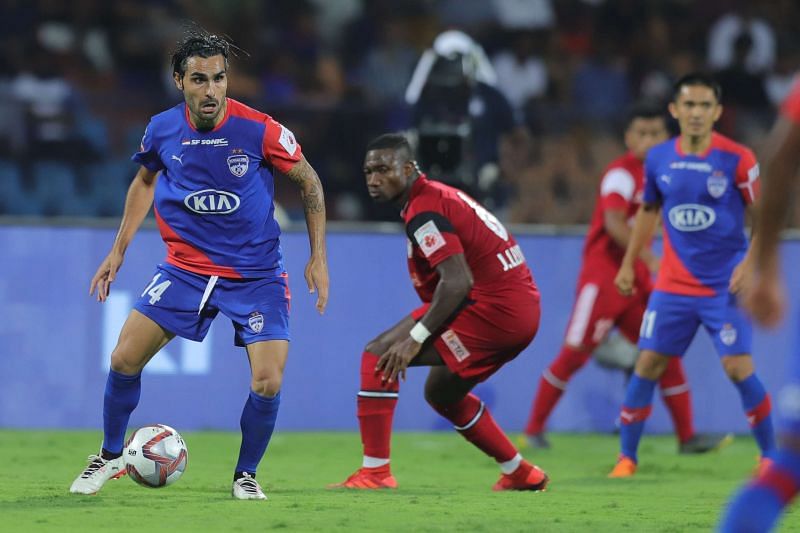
<point x="212" y="202"/>
<point x="691" y="217"/>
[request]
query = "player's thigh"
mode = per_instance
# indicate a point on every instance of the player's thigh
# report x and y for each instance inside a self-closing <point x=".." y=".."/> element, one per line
<point x="267" y="361"/>
<point x="730" y="329"/>
<point x="669" y="323"/>
<point x="445" y="387"/>
<point x="629" y="321"/>
<point x="140" y="339"/>
<point x="177" y="300"/>
<point x="596" y="309"/>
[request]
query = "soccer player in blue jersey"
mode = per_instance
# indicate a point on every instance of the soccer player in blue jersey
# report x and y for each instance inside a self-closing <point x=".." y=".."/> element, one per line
<point x="207" y="164"/>
<point x="759" y="505"/>
<point x="704" y="183"/>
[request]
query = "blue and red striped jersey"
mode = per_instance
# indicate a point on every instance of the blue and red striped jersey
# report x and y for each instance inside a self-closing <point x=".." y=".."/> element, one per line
<point x="703" y="198"/>
<point x="214" y="194"/>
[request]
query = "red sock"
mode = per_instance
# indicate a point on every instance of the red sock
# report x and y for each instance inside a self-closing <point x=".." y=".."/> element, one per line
<point x="473" y="420"/>
<point x="376" y="403"/>
<point x="675" y="392"/>
<point x="552" y="385"/>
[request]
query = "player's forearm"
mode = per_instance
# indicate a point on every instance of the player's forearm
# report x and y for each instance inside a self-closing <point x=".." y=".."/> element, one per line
<point x="137" y="203"/>
<point x="313" y="197"/>
<point x="455" y="282"/>
<point x="643" y="228"/>
<point x="774" y="206"/>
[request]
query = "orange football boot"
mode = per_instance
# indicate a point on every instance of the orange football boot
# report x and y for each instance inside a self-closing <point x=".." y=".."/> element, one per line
<point x="368" y="478"/>
<point x="625" y="467"/>
<point x="525" y="477"/>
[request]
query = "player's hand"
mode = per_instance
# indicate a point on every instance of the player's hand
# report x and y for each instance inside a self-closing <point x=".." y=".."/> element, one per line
<point x="624" y="280"/>
<point x="765" y="300"/>
<point x="395" y="360"/>
<point x="740" y="277"/>
<point x="317" y="279"/>
<point x="105" y="275"/>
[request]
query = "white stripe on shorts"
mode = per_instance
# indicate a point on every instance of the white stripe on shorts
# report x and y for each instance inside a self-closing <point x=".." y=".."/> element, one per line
<point x="212" y="281"/>
<point x="581" y="315"/>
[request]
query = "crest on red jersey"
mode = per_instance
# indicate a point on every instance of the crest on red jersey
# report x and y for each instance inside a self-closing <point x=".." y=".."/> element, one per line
<point x="717" y="184"/>
<point x="429" y="238"/>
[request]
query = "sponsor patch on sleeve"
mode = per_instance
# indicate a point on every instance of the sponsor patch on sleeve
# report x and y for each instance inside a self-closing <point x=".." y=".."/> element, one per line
<point x="429" y="238"/>
<point x="287" y="140"/>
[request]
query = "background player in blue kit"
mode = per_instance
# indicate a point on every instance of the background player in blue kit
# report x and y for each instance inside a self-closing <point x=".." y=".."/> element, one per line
<point x="207" y="165"/>
<point x="703" y="182"/>
<point x="759" y="505"/>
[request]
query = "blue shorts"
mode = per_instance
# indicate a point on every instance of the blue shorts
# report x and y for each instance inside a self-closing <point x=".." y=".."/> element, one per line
<point x="671" y="320"/>
<point x="185" y="303"/>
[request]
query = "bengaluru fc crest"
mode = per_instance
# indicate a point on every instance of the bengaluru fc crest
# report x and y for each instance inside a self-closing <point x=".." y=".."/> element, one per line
<point x="717" y="183"/>
<point x="256" y="321"/>
<point x="727" y="334"/>
<point x="238" y="165"/>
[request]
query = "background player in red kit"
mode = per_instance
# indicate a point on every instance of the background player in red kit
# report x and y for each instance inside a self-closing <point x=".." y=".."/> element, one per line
<point x="599" y="307"/>
<point x="480" y="309"/>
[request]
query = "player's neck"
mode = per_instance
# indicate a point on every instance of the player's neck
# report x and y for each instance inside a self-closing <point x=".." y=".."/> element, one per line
<point x="202" y="125"/>
<point x="695" y="144"/>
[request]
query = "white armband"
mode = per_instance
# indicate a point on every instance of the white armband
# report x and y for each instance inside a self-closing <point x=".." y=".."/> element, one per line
<point x="419" y="332"/>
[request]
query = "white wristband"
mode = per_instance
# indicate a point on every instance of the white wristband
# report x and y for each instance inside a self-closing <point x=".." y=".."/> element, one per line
<point x="419" y="332"/>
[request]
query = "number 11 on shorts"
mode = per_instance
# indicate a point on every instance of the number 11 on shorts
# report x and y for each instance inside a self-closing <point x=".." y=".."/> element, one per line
<point x="155" y="291"/>
<point x="648" y="323"/>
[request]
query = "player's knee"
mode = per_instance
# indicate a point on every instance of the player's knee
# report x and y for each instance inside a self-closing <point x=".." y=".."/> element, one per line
<point x="738" y="367"/>
<point x="376" y="346"/>
<point x="124" y="361"/>
<point x="267" y="383"/>
<point x="651" y="365"/>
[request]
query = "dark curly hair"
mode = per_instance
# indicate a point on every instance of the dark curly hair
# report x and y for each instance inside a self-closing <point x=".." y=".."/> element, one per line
<point x="196" y="41"/>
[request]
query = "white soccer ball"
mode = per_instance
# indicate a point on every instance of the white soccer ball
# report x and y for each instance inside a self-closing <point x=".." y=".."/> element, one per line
<point x="155" y="456"/>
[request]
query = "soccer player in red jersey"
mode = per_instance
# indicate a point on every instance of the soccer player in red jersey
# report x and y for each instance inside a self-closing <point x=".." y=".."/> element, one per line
<point x="759" y="505"/>
<point x="480" y="309"/>
<point x="599" y="307"/>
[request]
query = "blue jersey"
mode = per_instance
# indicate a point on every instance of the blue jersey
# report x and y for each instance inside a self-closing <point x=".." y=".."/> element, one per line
<point x="214" y="195"/>
<point x="703" y="198"/>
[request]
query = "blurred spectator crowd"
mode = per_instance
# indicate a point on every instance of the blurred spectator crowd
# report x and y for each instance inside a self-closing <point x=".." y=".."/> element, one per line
<point x="80" y="80"/>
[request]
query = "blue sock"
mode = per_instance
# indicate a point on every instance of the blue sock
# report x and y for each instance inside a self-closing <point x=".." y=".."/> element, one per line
<point x="756" y="403"/>
<point x="257" y="423"/>
<point x="635" y="410"/>
<point x="119" y="401"/>
<point x="758" y="506"/>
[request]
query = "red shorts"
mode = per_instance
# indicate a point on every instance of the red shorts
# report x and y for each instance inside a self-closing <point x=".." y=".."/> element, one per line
<point x="599" y="307"/>
<point x="484" y="336"/>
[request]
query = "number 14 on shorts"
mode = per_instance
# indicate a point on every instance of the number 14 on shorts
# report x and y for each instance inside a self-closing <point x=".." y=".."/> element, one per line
<point x="648" y="324"/>
<point x="155" y="289"/>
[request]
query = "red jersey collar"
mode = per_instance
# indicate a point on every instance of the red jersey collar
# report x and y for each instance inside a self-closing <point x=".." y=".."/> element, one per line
<point x="416" y="187"/>
<point x="711" y="146"/>
<point x="215" y="128"/>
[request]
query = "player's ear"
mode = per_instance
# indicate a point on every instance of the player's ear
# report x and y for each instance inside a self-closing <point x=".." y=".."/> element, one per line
<point x="718" y="112"/>
<point x="673" y="110"/>
<point x="178" y="81"/>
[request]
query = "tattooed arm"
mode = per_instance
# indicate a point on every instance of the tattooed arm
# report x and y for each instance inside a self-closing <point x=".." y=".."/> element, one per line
<point x="305" y="177"/>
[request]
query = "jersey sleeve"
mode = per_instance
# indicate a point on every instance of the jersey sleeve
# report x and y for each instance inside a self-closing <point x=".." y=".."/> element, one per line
<point x="147" y="156"/>
<point x="791" y="106"/>
<point x="747" y="177"/>
<point x="435" y="236"/>
<point x="279" y="147"/>
<point x="617" y="189"/>
<point x="652" y="194"/>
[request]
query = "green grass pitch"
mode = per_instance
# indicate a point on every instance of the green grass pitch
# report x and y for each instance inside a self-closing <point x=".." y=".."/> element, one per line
<point x="445" y="485"/>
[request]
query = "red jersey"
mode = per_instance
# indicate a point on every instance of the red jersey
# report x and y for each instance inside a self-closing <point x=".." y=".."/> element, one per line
<point x="620" y="189"/>
<point x="442" y="221"/>
<point x="791" y="106"/>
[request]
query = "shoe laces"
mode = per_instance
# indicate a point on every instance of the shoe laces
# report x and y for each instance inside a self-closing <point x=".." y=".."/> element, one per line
<point x="96" y="462"/>
<point x="248" y="484"/>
